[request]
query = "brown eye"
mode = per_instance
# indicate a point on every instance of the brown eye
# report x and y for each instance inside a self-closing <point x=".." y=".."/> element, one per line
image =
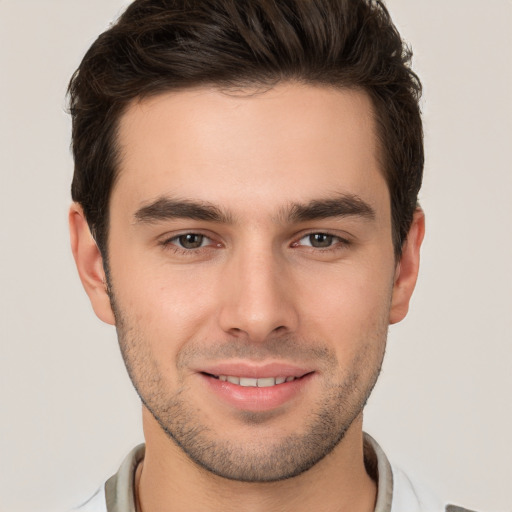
<point x="191" y="240"/>
<point x="320" y="240"/>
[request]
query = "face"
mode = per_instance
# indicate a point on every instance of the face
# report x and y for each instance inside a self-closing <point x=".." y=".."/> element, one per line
<point x="251" y="271"/>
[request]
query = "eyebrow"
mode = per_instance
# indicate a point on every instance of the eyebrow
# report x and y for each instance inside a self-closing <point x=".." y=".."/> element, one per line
<point x="166" y="208"/>
<point x="342" y="205"/>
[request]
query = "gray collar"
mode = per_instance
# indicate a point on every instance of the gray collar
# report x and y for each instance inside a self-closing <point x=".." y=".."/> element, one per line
<point x="120" y="488"/>
<point x="378" y="467"/>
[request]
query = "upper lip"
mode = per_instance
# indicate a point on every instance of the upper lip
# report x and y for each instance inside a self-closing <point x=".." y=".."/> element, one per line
<point x="252" y="370"/>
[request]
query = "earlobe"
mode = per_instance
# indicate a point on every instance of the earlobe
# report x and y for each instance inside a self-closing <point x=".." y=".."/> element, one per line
<point x="89" y="263"/>
<point x="407" y="269"/>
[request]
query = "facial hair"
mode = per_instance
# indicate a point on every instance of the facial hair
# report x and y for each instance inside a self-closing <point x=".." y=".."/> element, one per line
<point x="263" y="457"/>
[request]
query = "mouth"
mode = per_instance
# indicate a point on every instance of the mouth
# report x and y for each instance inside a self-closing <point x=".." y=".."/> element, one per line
<point x="257" y="389"/>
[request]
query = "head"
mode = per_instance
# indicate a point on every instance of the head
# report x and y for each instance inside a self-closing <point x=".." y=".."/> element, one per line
<point x="250" y="172"/>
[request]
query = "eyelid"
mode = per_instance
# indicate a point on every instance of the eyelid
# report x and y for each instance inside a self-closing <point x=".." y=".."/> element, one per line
<point x="170" y="241"/>
<point x="339" y="243"/>
<point x="204" y="241"/>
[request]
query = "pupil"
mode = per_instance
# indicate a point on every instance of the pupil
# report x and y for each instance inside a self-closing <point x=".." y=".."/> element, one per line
<point x="320" y="240"/>
<point x="191" y="241"/>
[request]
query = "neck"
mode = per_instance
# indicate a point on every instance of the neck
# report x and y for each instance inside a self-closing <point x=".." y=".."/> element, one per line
<point x="169" y="480"/>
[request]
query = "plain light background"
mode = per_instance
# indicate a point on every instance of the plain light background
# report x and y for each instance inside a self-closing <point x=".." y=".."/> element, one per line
<point x="442" y="408"/>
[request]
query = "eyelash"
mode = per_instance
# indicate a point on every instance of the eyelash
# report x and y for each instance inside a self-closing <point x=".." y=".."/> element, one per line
<point x="172" y="244"/>
<point x="338" y="243"/>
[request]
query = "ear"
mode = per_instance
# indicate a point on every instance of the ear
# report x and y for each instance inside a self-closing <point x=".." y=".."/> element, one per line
<point x="89" y="264"/>
<point x="407" y="269"/>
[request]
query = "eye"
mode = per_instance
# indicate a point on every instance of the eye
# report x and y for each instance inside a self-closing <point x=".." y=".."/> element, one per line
<point x="190" y="246"/>
<point x="323" y="244"/>
<point x="319" y="240"/>
<point x="190" y="241"/>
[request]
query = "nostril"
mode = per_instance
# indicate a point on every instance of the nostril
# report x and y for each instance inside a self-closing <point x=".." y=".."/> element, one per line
<point x="237" y="332"/>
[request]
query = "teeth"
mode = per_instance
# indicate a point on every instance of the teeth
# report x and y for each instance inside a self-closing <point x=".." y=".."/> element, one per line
<point x="264" y="382"/>
<point x="246" y="382"/>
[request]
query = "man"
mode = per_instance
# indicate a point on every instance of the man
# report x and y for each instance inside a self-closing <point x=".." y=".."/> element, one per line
<point x="245" y="213"/>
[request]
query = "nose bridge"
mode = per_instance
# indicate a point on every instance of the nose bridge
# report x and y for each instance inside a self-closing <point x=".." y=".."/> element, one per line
<point x="256" y="302"/>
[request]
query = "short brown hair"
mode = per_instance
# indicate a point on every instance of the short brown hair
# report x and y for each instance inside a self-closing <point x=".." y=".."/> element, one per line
<point x="162" y="45"/>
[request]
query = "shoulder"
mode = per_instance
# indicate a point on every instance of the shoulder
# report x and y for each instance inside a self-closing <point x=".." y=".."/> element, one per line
<point x="397" y="492"/>
<point x="96" y="503"/>
<point x="411" y="496"/>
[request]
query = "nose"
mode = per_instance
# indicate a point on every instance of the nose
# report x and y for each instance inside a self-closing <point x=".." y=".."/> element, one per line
<point x="257" y="296"/>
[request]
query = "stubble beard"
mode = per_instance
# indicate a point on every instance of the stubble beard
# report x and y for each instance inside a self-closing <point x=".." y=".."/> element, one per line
<point x="260" y="458"/>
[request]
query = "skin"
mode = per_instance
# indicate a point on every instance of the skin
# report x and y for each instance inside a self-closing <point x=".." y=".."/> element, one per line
<point x="259" y="289"/>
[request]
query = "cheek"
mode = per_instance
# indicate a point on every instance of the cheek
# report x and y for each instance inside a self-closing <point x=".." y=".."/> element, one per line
<point x="168" y="304"/>
<point x="349" y="305"/>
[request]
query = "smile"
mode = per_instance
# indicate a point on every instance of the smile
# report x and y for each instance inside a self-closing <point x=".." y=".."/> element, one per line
<point x="263" y="382"/>
<point x="257" y="389"/>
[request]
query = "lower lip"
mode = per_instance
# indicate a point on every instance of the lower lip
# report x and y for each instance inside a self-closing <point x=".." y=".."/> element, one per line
<point x="251" y="398"/>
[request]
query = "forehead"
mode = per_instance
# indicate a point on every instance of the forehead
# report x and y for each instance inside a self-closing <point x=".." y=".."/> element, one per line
<point x="290" y="143"/>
